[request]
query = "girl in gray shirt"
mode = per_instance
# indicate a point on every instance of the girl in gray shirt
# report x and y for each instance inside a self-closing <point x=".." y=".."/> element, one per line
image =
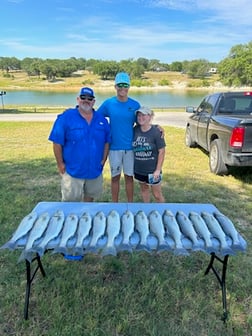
<point x="149" y="153"/>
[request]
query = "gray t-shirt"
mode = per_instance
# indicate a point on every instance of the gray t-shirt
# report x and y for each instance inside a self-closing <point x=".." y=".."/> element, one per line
<point x="145" y="147"/>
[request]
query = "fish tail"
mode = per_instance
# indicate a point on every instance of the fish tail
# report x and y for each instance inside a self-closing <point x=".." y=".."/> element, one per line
<point x="25" y="255"/>
<point x="22" y="257"/>
<point x="111" y="250"/>
<point x="238" y="247"/>
<point x="40" y="250"/>
<point x="78" y="251"/>
<point x="227" y="251"/>
<point x="180" y="251"/>
<point x="60" y="249"/>
<point x="92" y="249"/>
<point x="163" y="247"/>
<point x="124" y="247"/>
<point x="141" y="247"/>
<point x="211" y="249"/>
<point x="9" y="245"/>
<point x="196" y="247"/>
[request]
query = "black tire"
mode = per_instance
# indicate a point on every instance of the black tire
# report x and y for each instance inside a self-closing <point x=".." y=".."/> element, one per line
<point x="216" y="163"/>
<point x="188" y="138"/>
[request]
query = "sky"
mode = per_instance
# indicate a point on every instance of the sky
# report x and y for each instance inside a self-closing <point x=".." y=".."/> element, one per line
<point x="166" y="30"/>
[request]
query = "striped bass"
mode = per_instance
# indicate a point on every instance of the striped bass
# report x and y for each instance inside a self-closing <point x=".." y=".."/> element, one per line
<point x="127" y="223"/>
<point x="217" y="232"/>
<point x="202" y="231"/>
<point x="23" y="228"/>
<point x="84" y="227"/>
<point x="53" y="230"/>
<point x="187" y="229"/>
<point x="112" y="230"/>
<point x="36" y="232"/>
<point x="173" y="229"/>
<point x="68" y="231"/>
<point x="229" y="229"/>
<point x="98" y="230"/>
<point x="142" y="226"/>
<point x="157" y="227"/>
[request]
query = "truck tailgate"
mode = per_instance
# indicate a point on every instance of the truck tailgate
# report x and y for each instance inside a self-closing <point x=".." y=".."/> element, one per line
<point x="247" y="146"/>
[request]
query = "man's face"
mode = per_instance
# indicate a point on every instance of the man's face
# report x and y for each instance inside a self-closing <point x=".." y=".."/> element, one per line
<point x="122" y="89"/>
<point x="86" y="103"/>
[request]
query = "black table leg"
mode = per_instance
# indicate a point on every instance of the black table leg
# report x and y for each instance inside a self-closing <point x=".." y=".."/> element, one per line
<point x="29" y="278"/>
<point x="221" y="279"/>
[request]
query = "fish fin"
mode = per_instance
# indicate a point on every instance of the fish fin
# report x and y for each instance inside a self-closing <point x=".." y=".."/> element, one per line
<point x="141" y="247"/>
<point x="111" y="250"/>
<point x="180" y="251"/>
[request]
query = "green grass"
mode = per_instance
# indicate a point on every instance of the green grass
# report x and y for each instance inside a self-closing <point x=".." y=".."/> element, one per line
<point x="130" y="295"/>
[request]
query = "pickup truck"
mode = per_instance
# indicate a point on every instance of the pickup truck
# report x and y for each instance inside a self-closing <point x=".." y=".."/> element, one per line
<point x="222" y="126"/>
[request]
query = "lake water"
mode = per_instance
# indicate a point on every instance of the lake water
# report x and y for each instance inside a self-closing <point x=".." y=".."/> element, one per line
<point x="151" y="99"/>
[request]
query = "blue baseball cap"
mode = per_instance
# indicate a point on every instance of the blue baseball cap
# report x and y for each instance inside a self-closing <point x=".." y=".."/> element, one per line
<point x="122" y="77"/>
<point x="86" y="91"/>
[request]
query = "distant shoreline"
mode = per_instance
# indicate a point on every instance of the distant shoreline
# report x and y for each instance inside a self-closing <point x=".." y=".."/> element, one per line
<point x="109" y="87"/>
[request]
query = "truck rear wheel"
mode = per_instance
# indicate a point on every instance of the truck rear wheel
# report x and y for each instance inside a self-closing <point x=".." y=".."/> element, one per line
<point x="216" y="163"/>
<point x="188" y="138"/>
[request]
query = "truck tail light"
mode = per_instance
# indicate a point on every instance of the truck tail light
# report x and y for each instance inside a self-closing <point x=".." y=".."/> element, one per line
<point x="237" y="137"/>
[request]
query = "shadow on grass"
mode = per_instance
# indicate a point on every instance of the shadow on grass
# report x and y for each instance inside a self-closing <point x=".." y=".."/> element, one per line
<point x="244" y="174"/>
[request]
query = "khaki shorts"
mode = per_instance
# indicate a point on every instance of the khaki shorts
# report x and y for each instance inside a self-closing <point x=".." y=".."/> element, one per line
<point x="74" y="189"/>
<point x="121" y="160"/>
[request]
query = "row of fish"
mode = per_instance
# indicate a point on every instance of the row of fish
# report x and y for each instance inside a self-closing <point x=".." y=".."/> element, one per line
<point x="211" y="233"/>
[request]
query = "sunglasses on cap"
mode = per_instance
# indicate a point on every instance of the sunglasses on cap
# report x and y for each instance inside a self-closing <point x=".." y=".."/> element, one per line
<point x="86" y="98"/>
<point x="122" y="85"/>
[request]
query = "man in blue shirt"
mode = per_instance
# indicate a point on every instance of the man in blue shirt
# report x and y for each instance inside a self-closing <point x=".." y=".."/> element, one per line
<point x="121" y="113"/>
<point x="81" y="138"/>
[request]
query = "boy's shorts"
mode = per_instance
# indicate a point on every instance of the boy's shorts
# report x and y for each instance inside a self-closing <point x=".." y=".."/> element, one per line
<point x="121" y="160"/>
<point x="74" y="189"/>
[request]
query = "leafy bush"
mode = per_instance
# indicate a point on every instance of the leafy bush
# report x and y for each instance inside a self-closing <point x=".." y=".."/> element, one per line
<point x="164" y="82"/>
<point x="88" y="82"/>
<point x="141" y="82"/>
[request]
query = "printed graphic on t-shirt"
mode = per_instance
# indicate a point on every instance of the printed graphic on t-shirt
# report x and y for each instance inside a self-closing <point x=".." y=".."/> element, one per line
<point x="142" y="148"/>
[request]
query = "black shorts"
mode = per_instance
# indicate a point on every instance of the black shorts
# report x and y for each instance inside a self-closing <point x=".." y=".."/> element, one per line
<point x="141" y="178"/>
<point x="147" y="179"/>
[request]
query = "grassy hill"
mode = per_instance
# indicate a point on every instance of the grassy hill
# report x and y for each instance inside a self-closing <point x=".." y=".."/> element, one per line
<point x="18" y="80"/>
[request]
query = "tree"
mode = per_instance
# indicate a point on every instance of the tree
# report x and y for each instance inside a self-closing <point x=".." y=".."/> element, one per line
<point x="197" y="68"/>
<point x="9" y="63"/>
<point x="236" y="69"/>
<point x="106" y="69"/>
<point x="144" y="62"/>
<point x="176" y="66"/>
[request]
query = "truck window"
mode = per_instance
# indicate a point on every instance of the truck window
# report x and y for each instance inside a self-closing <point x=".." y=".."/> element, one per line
<point x="244" y="104"/>
<point x="236" y="105"/>
<point x="207" y="104"/>
<point x="227" y="105"/>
